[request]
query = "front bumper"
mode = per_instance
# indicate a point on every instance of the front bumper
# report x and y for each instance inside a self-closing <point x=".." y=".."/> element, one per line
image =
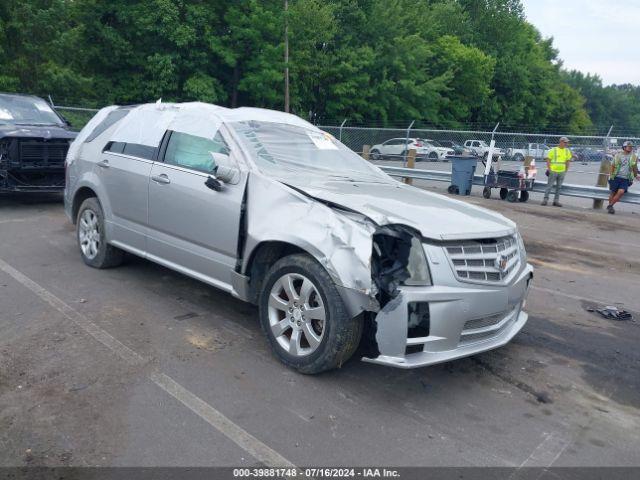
<point x="463" y="320"/>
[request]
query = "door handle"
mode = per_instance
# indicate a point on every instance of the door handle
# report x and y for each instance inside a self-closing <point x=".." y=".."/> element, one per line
<point x="161" y="179"/>
<point x="104" y="164"/>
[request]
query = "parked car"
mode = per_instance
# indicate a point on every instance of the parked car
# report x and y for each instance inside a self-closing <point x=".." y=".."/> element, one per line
<point x="535" y="150"/>
<point x="456" y="147"/>
<point x="269" y="208"/>
<point x="480" y="148"/>
<point x="34" y="141"/>
<point x="397" y="147"/>
<point x="585" y="155"/>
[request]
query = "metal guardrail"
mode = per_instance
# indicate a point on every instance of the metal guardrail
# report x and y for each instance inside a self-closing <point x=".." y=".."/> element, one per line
<point x="582" y="191"/>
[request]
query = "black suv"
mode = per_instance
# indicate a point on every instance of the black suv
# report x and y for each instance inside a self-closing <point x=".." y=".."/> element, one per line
<point x="34" y="140"/>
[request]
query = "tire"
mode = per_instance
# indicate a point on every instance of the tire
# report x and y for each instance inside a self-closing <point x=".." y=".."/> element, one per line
<point x="512" y="196"/>
<point x="486" y="193"/>
<point x="453" y="189"/>
<point x="524" y="196"/>
<point x="518" y="157"/>
<point x="375" y="155"/>
<point x="485" y="155"/>
<point x="90" y="235"/>
<point x="503" y="193"/>
<point x="433" y="157"/>
<point x="337" y="336"/>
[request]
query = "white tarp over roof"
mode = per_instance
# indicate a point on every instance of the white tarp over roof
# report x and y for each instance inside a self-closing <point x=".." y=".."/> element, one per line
<point x="147" y="123"/>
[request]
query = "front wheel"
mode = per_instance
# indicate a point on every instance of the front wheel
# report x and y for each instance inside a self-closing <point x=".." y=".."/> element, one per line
<point x="433" y="156"/>
<point x="304" y="318"/>
<point x="512" y="196"/>
<point x="375" y="155"/>
<point x="90" y="233"/>
<point x="486" y="193"/>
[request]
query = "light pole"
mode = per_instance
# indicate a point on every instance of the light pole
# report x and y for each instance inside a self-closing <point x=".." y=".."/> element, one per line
<point x="286" y="56"/>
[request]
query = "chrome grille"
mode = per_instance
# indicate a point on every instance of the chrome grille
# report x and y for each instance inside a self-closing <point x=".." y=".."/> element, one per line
<point x="478" y="260"/>
<point x="483" y="322"/>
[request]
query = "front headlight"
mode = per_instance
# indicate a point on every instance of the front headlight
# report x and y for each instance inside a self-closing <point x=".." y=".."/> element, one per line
<point x="417" y="265"/>
<point x="523" y="251"/>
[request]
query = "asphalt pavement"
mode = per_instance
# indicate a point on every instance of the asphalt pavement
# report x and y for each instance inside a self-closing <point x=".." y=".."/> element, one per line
<point x="141" y="366"/>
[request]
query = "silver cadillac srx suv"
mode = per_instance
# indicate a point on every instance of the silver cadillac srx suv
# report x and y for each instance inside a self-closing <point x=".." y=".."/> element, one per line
<point x="269" y="208"/>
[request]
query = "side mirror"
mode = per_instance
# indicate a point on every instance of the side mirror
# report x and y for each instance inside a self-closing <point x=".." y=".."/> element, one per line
<point x="225" y="170"/>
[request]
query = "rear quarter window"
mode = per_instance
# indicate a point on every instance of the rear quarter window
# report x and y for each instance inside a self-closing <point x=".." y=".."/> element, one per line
<point x="111" y="119"/>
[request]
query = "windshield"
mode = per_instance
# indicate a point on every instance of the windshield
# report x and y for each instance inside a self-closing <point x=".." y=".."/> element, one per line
<point x="289" y="152"/>
<point x="21" y="110"/>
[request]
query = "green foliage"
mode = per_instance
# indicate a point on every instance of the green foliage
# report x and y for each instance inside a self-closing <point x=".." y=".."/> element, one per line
<point x="386" y="62"/>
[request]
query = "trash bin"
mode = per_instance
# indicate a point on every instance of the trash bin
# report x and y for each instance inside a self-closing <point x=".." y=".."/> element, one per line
<point x="462" y="171"/>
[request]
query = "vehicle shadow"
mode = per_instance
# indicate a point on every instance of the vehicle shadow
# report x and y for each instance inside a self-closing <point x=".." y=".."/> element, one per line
<point x="13" y="200"/>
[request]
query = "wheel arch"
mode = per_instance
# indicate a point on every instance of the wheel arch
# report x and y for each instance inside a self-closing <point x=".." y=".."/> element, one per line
<point x="80" y="196"/>
<point x="262" y="257"/>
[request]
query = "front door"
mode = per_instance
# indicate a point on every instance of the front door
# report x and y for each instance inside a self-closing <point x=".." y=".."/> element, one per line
<point x="124" y="170"/>
<point x="193" y="228"/>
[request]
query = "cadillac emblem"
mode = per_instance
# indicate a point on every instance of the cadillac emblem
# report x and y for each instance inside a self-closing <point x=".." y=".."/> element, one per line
<point x="501" y="263"/>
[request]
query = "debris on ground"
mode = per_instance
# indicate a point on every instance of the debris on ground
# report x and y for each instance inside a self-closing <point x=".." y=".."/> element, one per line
<point x="612" y="312"/>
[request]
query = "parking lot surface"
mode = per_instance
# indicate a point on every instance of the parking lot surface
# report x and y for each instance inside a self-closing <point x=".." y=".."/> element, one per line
<point x="141" y="366"/>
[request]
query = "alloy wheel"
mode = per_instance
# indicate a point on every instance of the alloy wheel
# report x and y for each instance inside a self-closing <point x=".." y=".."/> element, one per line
<point x="297" y="314"/>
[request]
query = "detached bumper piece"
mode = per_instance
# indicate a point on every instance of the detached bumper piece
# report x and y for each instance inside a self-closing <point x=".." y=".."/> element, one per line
<point x="428" y="325"/>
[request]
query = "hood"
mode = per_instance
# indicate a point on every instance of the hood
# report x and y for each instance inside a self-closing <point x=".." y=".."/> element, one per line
<point x="35" y="131"/>
<point x="435" y="216"/>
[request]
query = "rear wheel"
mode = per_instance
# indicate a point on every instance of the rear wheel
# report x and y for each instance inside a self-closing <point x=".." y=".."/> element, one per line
<point x="503" y="193"/>
<point x="304" y="318"/>
<point x="524" y="196"/>
<point x="518" y="157"/>
<point x="486" y="193"/>
<point x="453" y="189"/>
<point x="90" y="233"/>
<point x="512" y="196"/>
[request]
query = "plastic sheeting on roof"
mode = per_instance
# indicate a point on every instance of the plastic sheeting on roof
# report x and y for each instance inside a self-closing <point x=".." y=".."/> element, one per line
<point x="146" y="124"/>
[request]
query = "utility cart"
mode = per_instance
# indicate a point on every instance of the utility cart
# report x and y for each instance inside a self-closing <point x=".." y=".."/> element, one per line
<point x="514" y="185"/>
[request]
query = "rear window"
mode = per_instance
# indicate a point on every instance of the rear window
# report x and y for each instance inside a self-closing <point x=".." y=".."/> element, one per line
<point x="111" y="119"/>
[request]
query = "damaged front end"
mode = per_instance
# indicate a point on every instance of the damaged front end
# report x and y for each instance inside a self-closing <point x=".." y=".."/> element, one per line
<point x="397" y="259"/>
<point x="32" y="164"/>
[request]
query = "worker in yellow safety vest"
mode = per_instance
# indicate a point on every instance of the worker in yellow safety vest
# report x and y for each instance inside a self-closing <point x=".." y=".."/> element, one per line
<point x="558" y="159"/>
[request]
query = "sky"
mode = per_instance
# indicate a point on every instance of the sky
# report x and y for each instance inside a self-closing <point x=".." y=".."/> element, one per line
<point x="593" y="36"/>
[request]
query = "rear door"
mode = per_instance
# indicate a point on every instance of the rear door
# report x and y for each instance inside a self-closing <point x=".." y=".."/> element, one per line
<point x="123" y="170"/>
<point x="193" y="228"/>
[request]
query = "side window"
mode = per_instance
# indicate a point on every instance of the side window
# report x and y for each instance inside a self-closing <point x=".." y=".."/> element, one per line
<point x="194" y="152"/>
<point x="114" y="147"/>
<point x="140" y="151"/>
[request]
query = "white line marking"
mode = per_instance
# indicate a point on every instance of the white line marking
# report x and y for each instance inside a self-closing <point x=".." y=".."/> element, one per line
<point x="88" y="326"/>
<point x="213" y="417"/>
<point x="544" y="455"/>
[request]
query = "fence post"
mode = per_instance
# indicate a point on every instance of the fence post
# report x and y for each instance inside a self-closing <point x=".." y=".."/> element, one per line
<point x="605" y="170"/>
<point x="492" y="144"/>
<point x="406" y="143"/>
<point x="411" y="163"/>
<point x="342" y="125"/>
<point x="365" y="151"/>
